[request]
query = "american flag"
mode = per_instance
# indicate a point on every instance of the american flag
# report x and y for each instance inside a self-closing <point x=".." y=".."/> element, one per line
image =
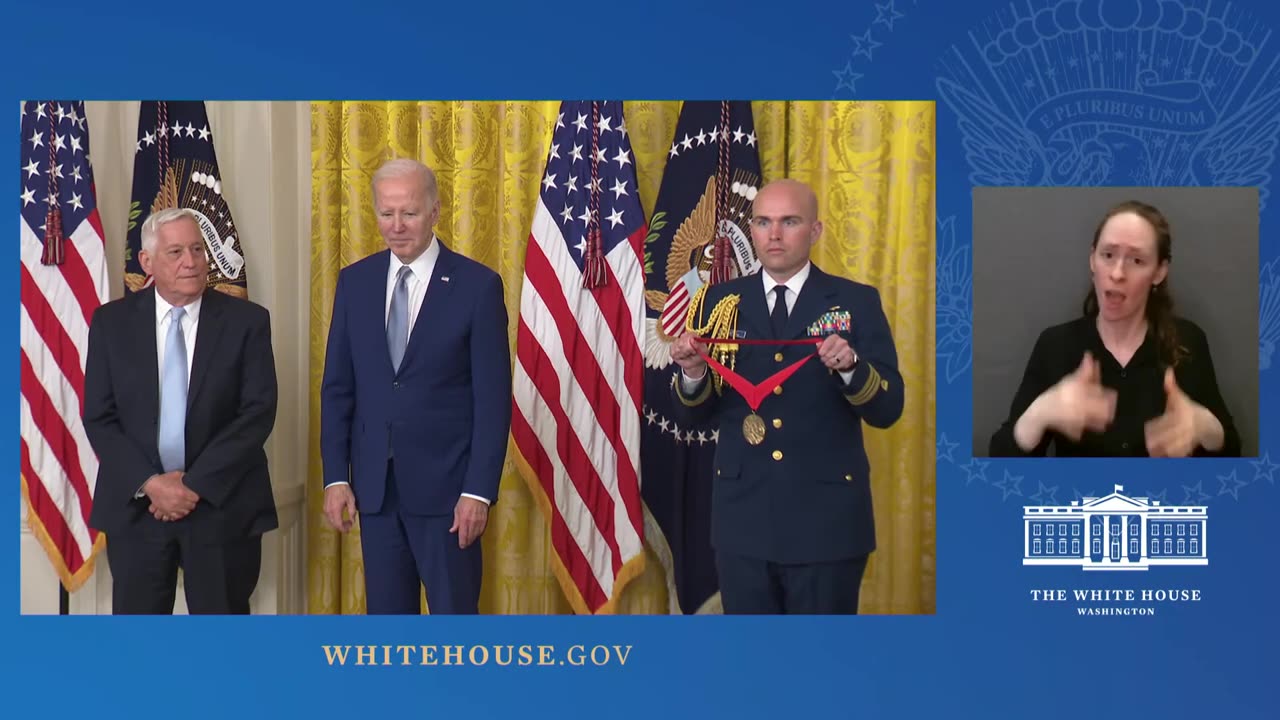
<point x="579" y="375"/>
<point x="64" y="279"/>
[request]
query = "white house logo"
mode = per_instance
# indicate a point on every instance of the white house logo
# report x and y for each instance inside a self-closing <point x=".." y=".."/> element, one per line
<point x="1116" y="532"/>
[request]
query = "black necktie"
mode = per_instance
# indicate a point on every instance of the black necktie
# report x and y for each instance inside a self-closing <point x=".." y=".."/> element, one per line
<point x="779" y="315"/>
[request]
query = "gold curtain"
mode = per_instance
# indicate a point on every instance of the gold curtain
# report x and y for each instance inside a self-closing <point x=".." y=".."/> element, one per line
<point x="872" y="165"/>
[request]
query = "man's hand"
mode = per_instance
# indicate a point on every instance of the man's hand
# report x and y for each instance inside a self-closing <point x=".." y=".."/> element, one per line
<point x="470" y="517"/>
<point x="170" y="499"/>
<point x="684" y="351"/>
<point x="338" y="498"/>
<point x="836" y="353"/>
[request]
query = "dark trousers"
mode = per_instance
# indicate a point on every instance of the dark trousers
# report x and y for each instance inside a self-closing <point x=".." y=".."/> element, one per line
<point x="218" y="579"/>
<point x="403" y="552"/>
<point x="749" y="586"/>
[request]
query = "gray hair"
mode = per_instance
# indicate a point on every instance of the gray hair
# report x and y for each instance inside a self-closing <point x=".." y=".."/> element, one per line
<point x="151" y="228"/>
<point x="405" y="167"/>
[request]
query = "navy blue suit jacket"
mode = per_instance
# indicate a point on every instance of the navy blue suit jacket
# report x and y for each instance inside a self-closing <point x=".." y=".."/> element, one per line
<point x="445" y="415"/>
<point x="804" y="494"/>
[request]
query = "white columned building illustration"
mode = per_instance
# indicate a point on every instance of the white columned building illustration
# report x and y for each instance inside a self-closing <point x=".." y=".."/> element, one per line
<point x="1116" y="532"/>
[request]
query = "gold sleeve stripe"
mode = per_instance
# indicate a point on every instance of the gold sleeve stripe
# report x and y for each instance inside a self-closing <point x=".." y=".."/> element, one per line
<point x="869" y="388"/>
<point x="696" y="400"/>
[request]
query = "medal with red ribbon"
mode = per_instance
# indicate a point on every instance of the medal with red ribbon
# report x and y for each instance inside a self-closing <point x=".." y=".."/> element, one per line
<point x="753" y="427"/>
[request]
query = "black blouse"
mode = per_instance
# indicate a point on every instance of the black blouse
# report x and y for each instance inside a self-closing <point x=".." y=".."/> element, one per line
<point x="1139" y="389"/>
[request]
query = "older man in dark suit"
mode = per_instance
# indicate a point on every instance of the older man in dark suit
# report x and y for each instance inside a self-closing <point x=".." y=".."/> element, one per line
<point x="180" y="397"/>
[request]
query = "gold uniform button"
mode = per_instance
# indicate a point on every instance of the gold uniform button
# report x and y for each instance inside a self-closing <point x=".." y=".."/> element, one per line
<point x="777" y="390"/>
<point x="848" y="478"/>
<point x="777" y="422"/>
<point x="777" y="454"/>
<point x="777" y="357"/>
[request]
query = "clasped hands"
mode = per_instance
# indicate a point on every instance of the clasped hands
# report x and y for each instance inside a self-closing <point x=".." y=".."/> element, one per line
<point x="171" y="500"/>
<point x="1080" y="402"/>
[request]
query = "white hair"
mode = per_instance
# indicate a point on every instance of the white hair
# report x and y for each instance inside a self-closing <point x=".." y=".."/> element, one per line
<point x="405" y="167"/>
<point x="151" y="228"/>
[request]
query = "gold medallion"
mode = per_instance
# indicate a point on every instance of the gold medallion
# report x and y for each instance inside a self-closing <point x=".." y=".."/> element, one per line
<point x="753" y="429"/>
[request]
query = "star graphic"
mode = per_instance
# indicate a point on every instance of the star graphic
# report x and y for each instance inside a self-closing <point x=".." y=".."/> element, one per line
<point x="844" y="79"/>
<point x="887" y="13"/>
<point x="615" y="218"/>
<point x="190" y="130"/>
<point x="687" y="142"/>
<point x="35" y="140"/>
<point x="1159" y="497"/>
<point x="1045" y="495"/>
<point x="1264" y="468"/>
<point x="600" y="151"/>
<point x="751" y="139"/>
<point x="975" y="469"/>
<point x="204" y="133"/>
<point x="1079" y="496"/>
<point x="581" y="122"/>
<point x="675" y="150"/>
<point x="573" y="184"/>
<point x="738" y="134"/>
<point x="605" y="122"/>
<point x="701" y="137"/>
<point x="622" y="128"/>
<point x="581" y="247"/>
<point x="650" y="416"/>
<point x="559" y="121"/>
<point x="567" y="213"/>
<point x="1230" y="485"/>
<point x="39" y="111"/>
<point x="586" y="215"/>
<point x="28" y="197"/>
<point x="576" y="153"/>
<point x="32" y="168"/>
<point x="1195" y="494"/>
<point x="715" y="436"/>
<point x="549" y="181"/>
<point x="555" y="151"/>
<point x="945" y="448"/>
<point x="619" y="188"/>
<point x="75" y="202"/>
<point x="623" y="158"/>
<point x="863" y="44"/>
<point x="702" y="437"/>
<point x="1009" y="485"/>
<point x="75" y="144"/>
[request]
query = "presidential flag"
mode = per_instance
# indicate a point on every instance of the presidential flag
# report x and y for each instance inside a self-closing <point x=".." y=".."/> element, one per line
<point x="174" y="165"/>
<point x="579" y="370"/>
<point x="699" y="234"/>
<point x="63" y="279"/>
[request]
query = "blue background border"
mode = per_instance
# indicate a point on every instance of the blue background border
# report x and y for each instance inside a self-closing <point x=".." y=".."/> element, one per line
<point x="989" y="650"/>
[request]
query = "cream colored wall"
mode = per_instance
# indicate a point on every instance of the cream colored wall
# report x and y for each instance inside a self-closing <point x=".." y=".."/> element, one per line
<point x="264" y="156"/>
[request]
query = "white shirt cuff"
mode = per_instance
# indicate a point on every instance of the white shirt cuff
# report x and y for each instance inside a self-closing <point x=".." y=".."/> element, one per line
<point x="476" y="497"/>
<point x="688" y="385"/>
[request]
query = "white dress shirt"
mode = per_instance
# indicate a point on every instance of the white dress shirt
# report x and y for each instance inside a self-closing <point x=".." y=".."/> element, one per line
<point x="419" y="277"/>
<point x="794" y="285"/>
<point x="190" y="324"/>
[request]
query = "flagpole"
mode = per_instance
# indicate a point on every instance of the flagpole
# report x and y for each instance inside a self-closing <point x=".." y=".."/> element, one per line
<point x="64" y="600"/>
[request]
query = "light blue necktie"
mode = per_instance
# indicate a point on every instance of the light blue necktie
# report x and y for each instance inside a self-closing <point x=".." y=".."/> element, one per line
<point x="398" y="318"/>
<point x="173" y="396"/>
